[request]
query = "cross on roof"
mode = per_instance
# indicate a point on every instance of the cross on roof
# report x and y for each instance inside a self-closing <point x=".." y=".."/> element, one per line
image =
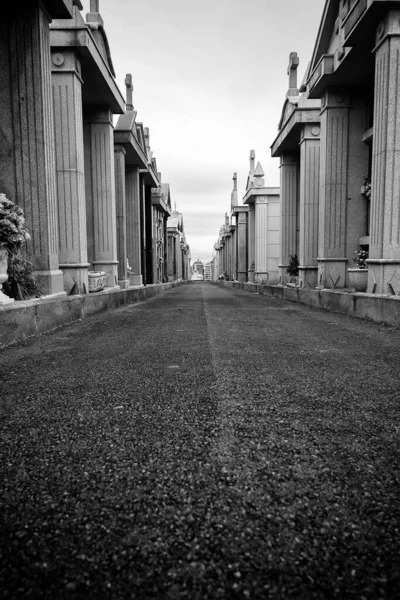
<point x="292" y="72"/>
<point x="252" y="159"/>
<point x="94" y="6"/>
<point x="129" y="92"/>
<point x="234" y="181"/>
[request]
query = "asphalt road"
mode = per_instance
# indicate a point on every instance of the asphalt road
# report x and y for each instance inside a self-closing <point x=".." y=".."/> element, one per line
<point x="207" y="443"/>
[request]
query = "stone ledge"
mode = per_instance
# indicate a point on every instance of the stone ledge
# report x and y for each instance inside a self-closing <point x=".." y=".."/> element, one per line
<point x="373" y="307"/>
<point x="21" y="320"/>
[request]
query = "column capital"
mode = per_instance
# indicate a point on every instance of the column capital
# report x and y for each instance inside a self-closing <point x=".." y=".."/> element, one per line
<point x="389" y="27"/>
<point x="310" y="133"/>
<point x="119" y="148"/>
<point x="99" y="115"/>
<point x="64" y="60"/>
<point x="335" y="98"/>
<point x="289" y="159"/>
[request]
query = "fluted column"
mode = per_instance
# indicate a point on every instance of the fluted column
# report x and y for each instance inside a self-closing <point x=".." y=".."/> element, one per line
<point x="27" y="153"/>
<point x="332" y="261"/>
<point x="309" y="205"/>
<point x="289" y="171"/>
<point x="121" y="215"/>
<point x="133" y="232"/>
<point x="384" y="260"/>
<point x="242" y="246"/>
<point x="70" y="170"/>
<point x="251" y="243"/>
<point x="261" y="239"/>
<point x="100" y="194"/>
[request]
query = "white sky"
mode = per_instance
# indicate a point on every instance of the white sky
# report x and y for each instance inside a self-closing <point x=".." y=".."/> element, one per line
<point x="209" y="81"/>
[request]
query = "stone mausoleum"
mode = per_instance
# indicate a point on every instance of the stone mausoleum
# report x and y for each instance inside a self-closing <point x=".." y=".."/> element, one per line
<point x="339" y="150"/>
<point x="247" y="249"/>
<point x="75" y="158"/>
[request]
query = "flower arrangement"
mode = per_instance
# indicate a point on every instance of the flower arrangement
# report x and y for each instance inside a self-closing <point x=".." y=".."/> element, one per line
<point x="13" y="230"/>
<point x="21" y="283"/>
<point x="366" y="189"/>
<point x="293" y="268"/>
<point x="360" y="258"/>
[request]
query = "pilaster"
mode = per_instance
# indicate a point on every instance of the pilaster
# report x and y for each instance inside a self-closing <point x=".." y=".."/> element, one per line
<point x="289" y="172"/>
<point x="133" y="233"/>
<point x="332" y="261"/>
<point x="261" y="239"/>
<point x="384" y="255"/>
<point x="27" y="154"/>
<point x="251" y="243"/>
<point x="121" y="215"/>
<point x="70" y="170"/>
<point x="309" y="205"/>
<point x="100" y="193"/>
<point x="241" y="233"/>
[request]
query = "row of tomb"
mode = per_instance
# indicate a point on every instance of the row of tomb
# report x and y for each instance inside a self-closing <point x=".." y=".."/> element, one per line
<point x="90" y="189"/>
<point x="339" y="148"/>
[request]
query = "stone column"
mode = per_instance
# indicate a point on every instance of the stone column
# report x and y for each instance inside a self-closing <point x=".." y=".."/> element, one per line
<point x="121" y="215"/>
<point x="241" y="233"/>
<point x="234" y="255"/>
<point x="70" y="170"/>
<point x="332" y="260"/>
<point x="309" y="205"/>
<point x="133" y="233"/>
<point x="384" y="256"/>
<point x="261" y="239"/>
<point x="100" y="194"/>
<point x="251" y="243"/>
<point x="289" y="200"/>
<point x="27" y="153"/>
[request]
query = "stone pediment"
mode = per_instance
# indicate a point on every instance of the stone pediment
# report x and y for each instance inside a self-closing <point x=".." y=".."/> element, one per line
<point x="288" y="109"/>
<point x="327" y="31"/>
<point x="96" y="25"/>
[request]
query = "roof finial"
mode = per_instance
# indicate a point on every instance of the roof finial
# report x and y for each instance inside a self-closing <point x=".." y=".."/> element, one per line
<point x="252" y="160"/>
<point x="292" y="72"/>
<point x="234" y="182"/>
<point x="129" y="92"/>
<point x="94" y="6"/>
<point x="175" y="206"/>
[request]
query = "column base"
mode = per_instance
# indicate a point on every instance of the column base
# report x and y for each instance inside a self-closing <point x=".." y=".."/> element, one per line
<point x="308" y="277"/>
<point x="136" y="280"/>
<point x="261" y="276"/>
<point x="332" y="272"/>
<point x="123" y="283"/>
<point x="283" y="276"/>
<point x="242" y="276"/>
<point x="75" y="278"/>
<point x="111" y="268"/>
<point x="383" y="276"/>
<point x="5" y="300"/>
<point x="50" y="282"/>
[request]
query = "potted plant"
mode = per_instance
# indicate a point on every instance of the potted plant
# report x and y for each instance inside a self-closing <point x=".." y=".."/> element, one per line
<point x="366" y="188"/>
<point x="359" y="275"/>
<point x="293" y="268"/>
<point x="14" y="233"/>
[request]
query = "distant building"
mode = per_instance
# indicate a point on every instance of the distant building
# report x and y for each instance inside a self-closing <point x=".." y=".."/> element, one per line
<point x="197" y="270"/>
<point x="208" y="272"/>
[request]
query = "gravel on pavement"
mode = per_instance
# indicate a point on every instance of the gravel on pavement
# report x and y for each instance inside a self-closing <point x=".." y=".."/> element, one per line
<point x="208" y="443"/>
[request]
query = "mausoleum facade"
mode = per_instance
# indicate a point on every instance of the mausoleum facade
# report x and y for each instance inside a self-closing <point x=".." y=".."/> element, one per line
<point x="339" y="150"/>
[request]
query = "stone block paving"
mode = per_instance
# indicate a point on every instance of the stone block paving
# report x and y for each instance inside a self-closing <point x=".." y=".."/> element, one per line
<point x="205" y="444"/>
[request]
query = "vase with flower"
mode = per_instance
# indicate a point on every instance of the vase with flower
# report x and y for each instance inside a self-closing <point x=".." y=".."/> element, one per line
<point x="359" y="275"/>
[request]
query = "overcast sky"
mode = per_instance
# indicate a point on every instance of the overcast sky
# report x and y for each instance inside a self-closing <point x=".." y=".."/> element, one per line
<point x="209" y="81"/>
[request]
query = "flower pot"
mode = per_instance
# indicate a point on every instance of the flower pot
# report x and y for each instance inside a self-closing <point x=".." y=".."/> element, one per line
<point x="4" y="276"/>
<point x="358" y="279"/>
<point x="96" y="280"/>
